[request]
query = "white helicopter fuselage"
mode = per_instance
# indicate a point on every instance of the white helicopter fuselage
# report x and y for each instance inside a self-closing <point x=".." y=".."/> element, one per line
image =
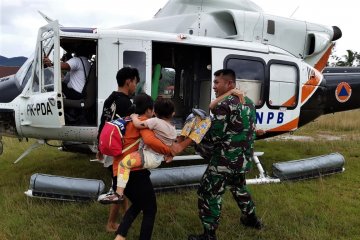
<point x="39" y="110"/>
<point x="277" y="62"/>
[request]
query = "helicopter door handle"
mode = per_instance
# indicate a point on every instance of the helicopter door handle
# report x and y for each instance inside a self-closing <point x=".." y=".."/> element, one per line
<point x="52" y="101"/>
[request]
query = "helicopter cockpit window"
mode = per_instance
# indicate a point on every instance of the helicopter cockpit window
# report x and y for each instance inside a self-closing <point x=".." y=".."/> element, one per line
<point x="283" y="85"/>
<point x="47" y="83"/>
<point x="250" y="77"/>
<point x="43" y="80"/>
<point x="35" y="81"/>
<point x="137" y="60"/>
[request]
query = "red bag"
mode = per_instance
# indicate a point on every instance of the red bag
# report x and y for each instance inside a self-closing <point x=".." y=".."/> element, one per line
<point x="111" y="138"/>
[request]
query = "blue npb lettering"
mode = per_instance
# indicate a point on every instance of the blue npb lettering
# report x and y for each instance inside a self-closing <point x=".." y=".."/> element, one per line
<point x="270" y="117"/>
<point x="259" y="117"/>
<point x="280" y="118"/>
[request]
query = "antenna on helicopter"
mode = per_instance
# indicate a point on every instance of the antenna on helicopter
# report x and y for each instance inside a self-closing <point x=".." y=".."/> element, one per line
<point x="294" y="11"/>
<point x="49" y="20"/>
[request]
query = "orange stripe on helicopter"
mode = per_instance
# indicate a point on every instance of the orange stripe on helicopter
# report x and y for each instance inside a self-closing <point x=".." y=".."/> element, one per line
<point x="290" y="103"/>
<point x="286" y="127"/>
<point x="307" y="90"/>
<point x="321" y="64"/>
<point x="310" y="86"/>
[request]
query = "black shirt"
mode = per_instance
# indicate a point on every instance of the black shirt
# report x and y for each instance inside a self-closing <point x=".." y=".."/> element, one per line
<point x="117" y="103"/>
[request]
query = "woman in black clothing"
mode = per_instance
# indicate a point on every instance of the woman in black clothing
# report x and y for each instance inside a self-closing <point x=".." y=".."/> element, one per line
<point x="142" y="196"/>
<point x="139" y="189"/>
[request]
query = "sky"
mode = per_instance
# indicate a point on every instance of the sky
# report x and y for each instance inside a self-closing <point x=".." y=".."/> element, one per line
<point x="20" y="20"/>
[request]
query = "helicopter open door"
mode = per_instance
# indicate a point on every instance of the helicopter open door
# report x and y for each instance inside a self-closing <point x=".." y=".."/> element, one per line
<point x="41" y="102"/>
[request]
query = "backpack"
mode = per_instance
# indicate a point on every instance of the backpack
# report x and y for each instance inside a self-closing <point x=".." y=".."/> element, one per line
<point x="111" y="138"/>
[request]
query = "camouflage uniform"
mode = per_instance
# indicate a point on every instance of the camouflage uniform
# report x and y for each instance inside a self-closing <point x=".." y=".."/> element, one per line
<point x="233" y="133"/>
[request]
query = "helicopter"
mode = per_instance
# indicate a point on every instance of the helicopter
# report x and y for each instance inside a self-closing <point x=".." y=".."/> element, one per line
<point x="278" y="64"/>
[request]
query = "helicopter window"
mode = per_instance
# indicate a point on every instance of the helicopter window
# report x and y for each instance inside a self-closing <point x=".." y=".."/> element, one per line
<point x="250" y="77"/>
<point x="35" y="82"/>
<point x="166" y="83"/>
<point x="47" y="44"/>
<point x="137" y="60"/>
<point x="43" y="79"/>
<point x="48" y="72"/>
<point x="271" y="27"/>
<point x="283" y="85"/>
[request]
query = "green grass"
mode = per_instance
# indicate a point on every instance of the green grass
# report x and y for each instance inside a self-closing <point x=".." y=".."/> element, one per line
<point x="323" y="208"/>
<point x="342" y="122"/>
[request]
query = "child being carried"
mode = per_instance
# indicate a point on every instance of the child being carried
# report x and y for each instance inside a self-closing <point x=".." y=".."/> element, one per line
<point x="145" y="157"/>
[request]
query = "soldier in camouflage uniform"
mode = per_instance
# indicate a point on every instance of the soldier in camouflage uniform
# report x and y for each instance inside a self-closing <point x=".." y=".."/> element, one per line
<point x="232" y="133"/>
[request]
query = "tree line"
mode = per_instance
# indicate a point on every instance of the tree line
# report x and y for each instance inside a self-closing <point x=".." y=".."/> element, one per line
<point x="350" y="59"/>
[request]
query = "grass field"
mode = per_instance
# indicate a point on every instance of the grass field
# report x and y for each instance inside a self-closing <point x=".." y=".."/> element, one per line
<point x="323" y="208"/>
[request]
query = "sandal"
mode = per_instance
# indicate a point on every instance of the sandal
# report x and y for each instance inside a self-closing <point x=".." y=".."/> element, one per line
<point x="113" y="198"/>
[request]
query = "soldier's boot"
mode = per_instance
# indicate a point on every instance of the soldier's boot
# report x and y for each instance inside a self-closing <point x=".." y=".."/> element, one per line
<point x="207" y="235"/>
<point x="251" y="221"/>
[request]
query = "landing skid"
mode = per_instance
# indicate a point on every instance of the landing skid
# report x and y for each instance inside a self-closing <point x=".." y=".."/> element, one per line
<point x="187" y="176"/>
<point x="263" y="177"/>
<point x="190" y="176"/>
<point x="29" y="150"/>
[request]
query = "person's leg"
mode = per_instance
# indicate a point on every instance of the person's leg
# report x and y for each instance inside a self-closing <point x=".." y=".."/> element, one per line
<point x="243" y="198"/>
<point x="212" y="187"/>
<point x="112" y="224"/>
<point x="241" y="194"/>
<point x="119" y="237"/>
<point x="130" y="214"/>
<point x="127" y="220"/>
<point x="70" y="93"/>
<point x="149" y="207"/>
<point x="140" y="192"/>
<point x="130" y="161"/>
<point x="72" y="115"/>
<point x="124" y="205"/>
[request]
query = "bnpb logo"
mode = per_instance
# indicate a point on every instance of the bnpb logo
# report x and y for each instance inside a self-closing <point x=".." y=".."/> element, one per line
<point x="343" y="92"/>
